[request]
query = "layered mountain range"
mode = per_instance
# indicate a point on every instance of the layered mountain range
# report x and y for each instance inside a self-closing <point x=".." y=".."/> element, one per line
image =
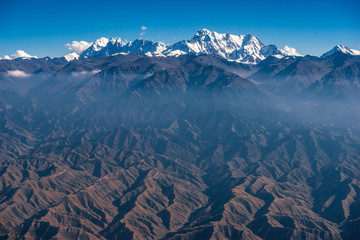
<point x="178" y="142"/>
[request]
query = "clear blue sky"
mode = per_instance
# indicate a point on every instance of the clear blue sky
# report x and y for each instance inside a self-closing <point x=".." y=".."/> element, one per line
<point x="42" y="27"/>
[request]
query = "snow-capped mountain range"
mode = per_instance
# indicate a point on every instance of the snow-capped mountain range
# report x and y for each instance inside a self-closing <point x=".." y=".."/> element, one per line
<point x="240" y="48"/>
<point x="108" y="47"/>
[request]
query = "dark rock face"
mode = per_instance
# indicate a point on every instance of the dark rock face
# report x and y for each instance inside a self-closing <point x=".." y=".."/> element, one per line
<point x="193" y="147"/>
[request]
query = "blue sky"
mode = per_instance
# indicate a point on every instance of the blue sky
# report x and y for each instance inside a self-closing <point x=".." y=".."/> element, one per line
<point x="43" y="27"/>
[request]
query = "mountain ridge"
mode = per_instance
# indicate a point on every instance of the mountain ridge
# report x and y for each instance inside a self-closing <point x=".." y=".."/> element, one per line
<point x="342" y="49"/>
<point x="240" y="48"/>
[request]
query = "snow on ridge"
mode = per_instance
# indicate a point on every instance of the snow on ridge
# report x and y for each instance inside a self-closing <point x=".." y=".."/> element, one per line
<point x="100" y="43"/>
<point x="343" y="49"/>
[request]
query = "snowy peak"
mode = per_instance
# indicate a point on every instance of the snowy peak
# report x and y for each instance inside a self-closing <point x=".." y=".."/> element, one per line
<point x="343" y="49"/>
<point x="112" y="46"/>
<point x="203" y="31"/>
<point x="104" y="46"/>
<point x="100" y="43"/>
<point x="144" y="46"/>
<point x="240" y="48"/>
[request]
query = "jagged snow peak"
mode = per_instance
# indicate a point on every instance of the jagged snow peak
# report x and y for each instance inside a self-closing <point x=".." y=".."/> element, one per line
<point x="112" y="46"/>
<point x="240" y="48"/>
<point x="343" y="49"/>
<point x="104" y="46"/>
<point x="100" y="43"/>
<point x="144" y="46"/>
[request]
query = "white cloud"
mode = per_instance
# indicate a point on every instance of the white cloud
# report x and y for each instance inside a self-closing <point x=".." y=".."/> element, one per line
<point x="85" y="73"/>
<point x="18" y="74"/>
<point x="143" y="29"/>
<point x="290" y="51"/>
<point x="71" y="56"/>
<point x="78" y="46"/>
<point x="20" y="54"/>
<point x="6" y="57"/>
